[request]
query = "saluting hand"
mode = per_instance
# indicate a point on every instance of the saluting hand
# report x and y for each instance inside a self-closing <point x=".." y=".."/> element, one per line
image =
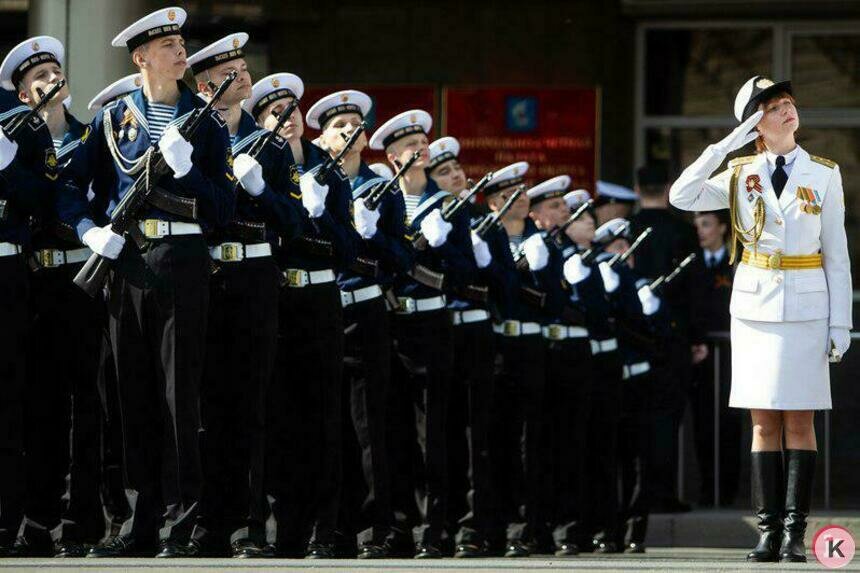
<point x="742" y="135"/>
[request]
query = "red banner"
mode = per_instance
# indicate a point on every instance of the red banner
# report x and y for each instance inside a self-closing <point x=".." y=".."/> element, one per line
<point x="554" y="129"/>
<point x="388" y="101"/>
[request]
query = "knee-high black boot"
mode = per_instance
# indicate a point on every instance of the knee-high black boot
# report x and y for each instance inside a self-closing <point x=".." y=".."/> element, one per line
<point x="768" y="497"/>
<point x="800" y="471"/>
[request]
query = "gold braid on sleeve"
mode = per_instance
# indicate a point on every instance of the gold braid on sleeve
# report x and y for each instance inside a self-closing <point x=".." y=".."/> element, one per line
<point x="746" y="237"/>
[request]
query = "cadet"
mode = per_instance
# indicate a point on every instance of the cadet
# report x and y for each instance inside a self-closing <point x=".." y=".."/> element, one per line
<point x="471" y="395"/>
<point x="791" y="297"/>
<point x="304" y="418"/>
<point x="613" y="201"/>
<point x="59" y="367"/>
<point x="423" y="334"/>
<point x="28" y="174"/>
<point x="158" y="365"/>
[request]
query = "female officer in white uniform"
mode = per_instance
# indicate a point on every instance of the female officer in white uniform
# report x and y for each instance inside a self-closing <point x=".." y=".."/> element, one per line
<point x="791" y="300"/>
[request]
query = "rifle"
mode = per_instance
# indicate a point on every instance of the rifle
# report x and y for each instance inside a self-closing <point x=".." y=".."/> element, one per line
<point x="331" y="162"/>
<point x="493" y="220"/>
<point x="589" y="255"/>
<point x="620" y="258"/>
<point x="17" y="124"/>
<point x="92" y="275"/>
<point x="448" y="211"/>
<point x="377" y="193"/>
<point x="551" y="237"/>
<point x="282" y="119"/>
<point x="666" y="279"/>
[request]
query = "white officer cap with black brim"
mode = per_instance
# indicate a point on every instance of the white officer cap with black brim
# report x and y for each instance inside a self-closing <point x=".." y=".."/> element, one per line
<point x="116" y="90"/>
<point x="549" y="189"/>
<point x="161" y="23"/>
<point x="338" y="103"/>
<point x="272" y="88"/>
<point x="442" y="150"/>
<point x="608" y="231"/>
<point x="576" y="198"/>
<point x="29" y="53"/>
<point x="614" y="193"/>
<point x="400" y="126"/>
<point x="382" y="170"/>
<point x="756" y="90"/>
<point x="506" y="177"/>
<point x="226" y="49"/>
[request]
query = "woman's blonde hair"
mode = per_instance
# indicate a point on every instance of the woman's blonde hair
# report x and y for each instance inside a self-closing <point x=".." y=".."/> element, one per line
<point x="760" y="147"/>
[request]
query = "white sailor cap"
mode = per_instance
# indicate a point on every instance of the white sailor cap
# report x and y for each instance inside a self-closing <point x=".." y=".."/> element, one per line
<point x="756" y="90"/>
<point x="382" y="170"/>
<point x="614" y="193"/>
<point x="346" y="101"/>
<point x="549" y="189"/>
<point x="506" y="177"/>
<point x="442" y="150"/>
<point x="226" y="49"/>
<point x="272" y="88"/>
<point x="401" y="125"/>
<point x="29" y="53"/>
<point x="116" y="90"/>
<point x="609" y="231"/>
<point x="576" y="198"/>
<point x="164" y="22"/>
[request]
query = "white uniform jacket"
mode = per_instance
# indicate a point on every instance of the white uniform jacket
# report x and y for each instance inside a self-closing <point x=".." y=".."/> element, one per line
<point x="791" y="228"/>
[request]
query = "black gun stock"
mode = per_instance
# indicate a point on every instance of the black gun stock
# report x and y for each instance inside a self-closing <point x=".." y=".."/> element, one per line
<point x="666" y="279"/>
<point x="377" y="193"/>
<point x="22" y="120"/>
<point x="621" y="258"/>
<point x="331" y="162"/>
<point x="282" y="119"/>
<point x="492" y="220"/>
<point x="419" y="241"/>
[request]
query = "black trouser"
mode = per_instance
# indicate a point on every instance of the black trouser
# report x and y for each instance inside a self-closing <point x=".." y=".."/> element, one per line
<point x="158" y="335"/>
<point x="14" y="294"/>
<point x="418" y="408"/>
<point x="567" y="399"/>
<point x="367" y="369"/>
<point x="303" y="420"/>
<point x="601" y="449"/>
<point x="241" y="344"/>
<point x="470" y="405"/>
<point x="635" y="445"/>
<point x="668" y="403"/>
<point x="730" y="428"/>
<point x="61" y="397"/>
<point x="516" y="443"/>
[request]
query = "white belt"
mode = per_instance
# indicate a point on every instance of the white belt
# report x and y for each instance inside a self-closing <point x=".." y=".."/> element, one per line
<point x="516" y="328"/>
<point x="156" y="229"/>
<point x="635" y="369"/>
<point x="562" y="332"/>
<point x="467" y="316"/>
<point x="9" y="249"/>
<point x="52" y="258"/>
<point x="229" y="252"/>
<point x="298" y="278"/>
<point x="407" y="305"/>
<point x="601" y="346"/>
<point x="360" y="295"/>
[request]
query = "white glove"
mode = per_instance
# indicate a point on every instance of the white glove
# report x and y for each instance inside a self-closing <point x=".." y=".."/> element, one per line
<point x="481" y="250"/>
<point x="574" y="270"/>
<point x="249" y="173"/>
<point x="313" y="195"/>
<point x="176" y="151"/>
<point x="537" y="255"/>
<point x="435" y="229"/>
<point x="365" y="219"/>
<point x="840" y="340"/>
<point x="610" y="277"/>
<point x="742" y="135"/>
<point x="650" y="303"/>
<point x="8" y="150"/>
<point x="103" y="241"/>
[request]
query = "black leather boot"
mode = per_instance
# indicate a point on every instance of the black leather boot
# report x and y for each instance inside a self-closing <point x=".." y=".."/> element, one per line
<point x="800" y="471"/>
<point x="768" y="498"/>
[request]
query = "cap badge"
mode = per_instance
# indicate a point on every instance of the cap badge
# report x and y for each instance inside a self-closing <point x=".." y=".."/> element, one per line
<point x="443" y="146"/>
<point x="235" y="43"/>
<point x="763" y="83"/>
<point x="413" y="118"/>
<point x="276" y="82"/>
<point x="35" y="46"/>
<point x="137" y="82"/>
<point x="516" y="171"/>
<point x="171" y="15"/>
<point x="344" y="98"/>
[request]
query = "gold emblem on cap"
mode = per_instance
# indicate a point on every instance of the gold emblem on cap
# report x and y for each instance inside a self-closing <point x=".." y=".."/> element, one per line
<point x="763" y="83"/>
<point x="344" y="98"/>
<point x="171" y="15"/>
<point x="276" y="82"/>
<point x="137" y="82"/>
<point x="442" y="146"/>
<point x="35" y="46"/>
<point x="413" y="118"/>
<point x="235" y="42"/>
<point x="516" y="170"/>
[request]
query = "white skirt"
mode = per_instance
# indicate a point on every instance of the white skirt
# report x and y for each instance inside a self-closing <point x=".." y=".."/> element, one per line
<point x="780" y="365"/>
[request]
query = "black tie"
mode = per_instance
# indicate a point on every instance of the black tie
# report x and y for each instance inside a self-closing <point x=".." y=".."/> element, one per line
<point x="779" y="177"/>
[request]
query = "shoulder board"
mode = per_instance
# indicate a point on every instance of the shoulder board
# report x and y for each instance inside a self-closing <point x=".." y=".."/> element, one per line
<point x="217" y="117"/>
<point x="742" y="160"/>
<point x="823" y="161"/>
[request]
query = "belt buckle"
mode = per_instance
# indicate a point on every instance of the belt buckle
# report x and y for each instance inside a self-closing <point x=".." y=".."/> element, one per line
<point x="155" y="229"/>
<point x="296" y="278"/>
<point x="406" y="305"/>
<point x="774" y="261"/>
<point x="231" y="252"/>
<point x="555" y="331"/>
<point x="510" y="328"/>
<point x="50" y="258"/>
<point x="346" y="298"/>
